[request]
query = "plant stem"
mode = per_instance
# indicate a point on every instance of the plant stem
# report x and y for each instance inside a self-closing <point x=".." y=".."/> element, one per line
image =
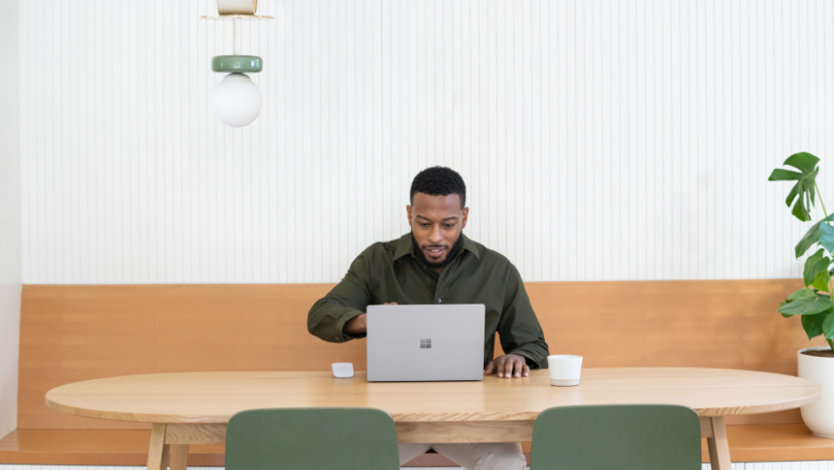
<point x="831" y="281"/>
<point x="819" y="196"/>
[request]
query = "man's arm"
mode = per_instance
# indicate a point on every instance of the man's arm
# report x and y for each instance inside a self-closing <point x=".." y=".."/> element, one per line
<point x="520" y="333"/>
<point x="356" y="326"/>
<point x="340" y="315"/>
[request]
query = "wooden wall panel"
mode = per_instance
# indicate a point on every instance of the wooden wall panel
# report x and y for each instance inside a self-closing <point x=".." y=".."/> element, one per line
<point x="72" y="333"/>
<point x="80" y="332"/>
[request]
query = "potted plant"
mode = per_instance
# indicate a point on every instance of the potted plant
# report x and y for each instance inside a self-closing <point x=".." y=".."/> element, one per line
<point x="813" y="303"/>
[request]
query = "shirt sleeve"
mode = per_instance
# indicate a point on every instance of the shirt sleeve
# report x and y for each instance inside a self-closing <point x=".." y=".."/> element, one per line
<point x="346" y="300"/>
<point x="518" y="328"/>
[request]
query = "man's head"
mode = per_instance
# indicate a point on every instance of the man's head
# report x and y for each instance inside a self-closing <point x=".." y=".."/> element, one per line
<point x="437" y="213"/>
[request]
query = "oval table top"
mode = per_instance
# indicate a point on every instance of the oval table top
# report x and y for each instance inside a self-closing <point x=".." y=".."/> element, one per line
<point x="213" y="397"/>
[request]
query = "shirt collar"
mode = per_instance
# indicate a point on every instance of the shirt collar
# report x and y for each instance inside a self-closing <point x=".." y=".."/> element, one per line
<point x="404" y="246"/>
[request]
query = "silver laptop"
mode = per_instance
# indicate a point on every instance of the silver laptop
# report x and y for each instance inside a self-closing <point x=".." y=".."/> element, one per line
<point x="425" y="342"/>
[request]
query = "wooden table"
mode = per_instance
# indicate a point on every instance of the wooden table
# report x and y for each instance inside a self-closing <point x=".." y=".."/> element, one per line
<point x="194" y="408"/>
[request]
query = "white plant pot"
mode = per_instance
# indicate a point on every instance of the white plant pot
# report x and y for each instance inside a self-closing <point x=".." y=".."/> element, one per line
<point x="818" y="416"/>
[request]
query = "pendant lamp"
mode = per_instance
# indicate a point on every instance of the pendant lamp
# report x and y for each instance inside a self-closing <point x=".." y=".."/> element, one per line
<point x="236" y="100"/>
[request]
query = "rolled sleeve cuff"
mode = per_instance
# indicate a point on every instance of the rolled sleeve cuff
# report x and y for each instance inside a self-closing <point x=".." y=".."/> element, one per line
<point x="340" y="324"/>
<point x="534" y="357"/>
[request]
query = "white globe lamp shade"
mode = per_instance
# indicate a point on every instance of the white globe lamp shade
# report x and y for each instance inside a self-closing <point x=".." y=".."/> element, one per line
<point x="236" y="100"/>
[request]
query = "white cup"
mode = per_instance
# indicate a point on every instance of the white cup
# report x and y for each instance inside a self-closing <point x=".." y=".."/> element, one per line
<point x="564" y="369"/>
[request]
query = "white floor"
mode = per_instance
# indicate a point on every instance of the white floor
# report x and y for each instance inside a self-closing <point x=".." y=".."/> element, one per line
<point x="815" y="465"/>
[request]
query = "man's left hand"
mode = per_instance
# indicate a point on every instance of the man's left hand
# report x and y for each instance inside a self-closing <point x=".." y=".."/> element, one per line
<point x="508" y="365"/>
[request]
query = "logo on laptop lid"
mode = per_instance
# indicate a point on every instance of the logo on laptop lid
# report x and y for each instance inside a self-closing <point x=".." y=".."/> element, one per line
<point x="425" y="343"/>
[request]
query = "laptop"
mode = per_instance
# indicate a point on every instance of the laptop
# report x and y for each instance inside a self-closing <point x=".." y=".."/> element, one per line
<point x="436" y="342"/>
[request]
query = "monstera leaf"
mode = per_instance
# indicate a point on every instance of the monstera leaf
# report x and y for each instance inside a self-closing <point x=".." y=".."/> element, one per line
<point x="802" y="195"/>
<point x="816" y="273"/>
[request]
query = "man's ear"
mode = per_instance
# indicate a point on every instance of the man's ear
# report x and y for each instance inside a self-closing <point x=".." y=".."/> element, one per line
<point x="408" y="213"/>
<point x="465" y="217"/>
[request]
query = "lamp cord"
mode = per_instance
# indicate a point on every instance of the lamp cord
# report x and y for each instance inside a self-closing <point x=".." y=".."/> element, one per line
<point x="236" y="34"/>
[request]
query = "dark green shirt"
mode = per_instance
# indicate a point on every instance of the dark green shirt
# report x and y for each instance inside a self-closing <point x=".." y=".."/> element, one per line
<point x="392" y="272"/>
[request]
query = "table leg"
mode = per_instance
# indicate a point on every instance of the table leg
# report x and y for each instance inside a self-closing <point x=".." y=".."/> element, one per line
<point x="157" y="450"/>
<point x="178" y="456"/>
<point x="719" y="447"/>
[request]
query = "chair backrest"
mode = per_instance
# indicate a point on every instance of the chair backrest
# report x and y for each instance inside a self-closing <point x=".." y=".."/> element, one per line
<point x="622" y="437"/>
<point x="312" y="439"/>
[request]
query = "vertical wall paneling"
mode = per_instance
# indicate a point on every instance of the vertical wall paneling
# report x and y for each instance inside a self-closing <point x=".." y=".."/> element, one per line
<point x="600" y="139"/>
<point x="10" y="229"/>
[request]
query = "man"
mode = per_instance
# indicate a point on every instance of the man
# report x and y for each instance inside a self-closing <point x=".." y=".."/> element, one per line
<point x="436" y="263"/>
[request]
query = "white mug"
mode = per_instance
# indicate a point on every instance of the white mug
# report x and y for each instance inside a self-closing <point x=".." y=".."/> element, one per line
<point x="565" y="369"/>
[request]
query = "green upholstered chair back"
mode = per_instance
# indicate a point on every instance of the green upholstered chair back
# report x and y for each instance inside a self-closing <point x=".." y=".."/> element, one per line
<point x="312" y="439"/>
<point x="621" y="437"/>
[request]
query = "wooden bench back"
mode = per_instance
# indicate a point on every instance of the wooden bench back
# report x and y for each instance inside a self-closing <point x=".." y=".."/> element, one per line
<point x="72" y="333"/>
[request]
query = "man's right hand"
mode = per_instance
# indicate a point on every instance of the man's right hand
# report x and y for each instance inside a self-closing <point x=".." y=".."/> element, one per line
<point x="357" y="325"/>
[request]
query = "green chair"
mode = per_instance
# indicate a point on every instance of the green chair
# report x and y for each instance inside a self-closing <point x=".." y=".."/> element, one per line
<point x="312" y="439"/>
<point x="621" y="437"/>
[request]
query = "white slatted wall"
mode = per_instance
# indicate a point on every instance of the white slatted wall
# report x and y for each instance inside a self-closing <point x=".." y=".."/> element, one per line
<point x="600" y="139"/>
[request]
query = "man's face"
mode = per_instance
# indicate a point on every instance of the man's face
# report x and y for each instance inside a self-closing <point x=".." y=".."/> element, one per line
<point x="436" y="222"/>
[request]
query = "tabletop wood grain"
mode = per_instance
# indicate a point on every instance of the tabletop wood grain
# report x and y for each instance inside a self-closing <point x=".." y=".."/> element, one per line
<point x="213" y="397"/>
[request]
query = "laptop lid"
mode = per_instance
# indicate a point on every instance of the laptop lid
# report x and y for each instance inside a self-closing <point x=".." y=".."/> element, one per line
<point x="433" y="342"/>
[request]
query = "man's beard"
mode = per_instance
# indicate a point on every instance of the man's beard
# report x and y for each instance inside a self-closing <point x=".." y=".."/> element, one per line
<point x="449" y="257"/>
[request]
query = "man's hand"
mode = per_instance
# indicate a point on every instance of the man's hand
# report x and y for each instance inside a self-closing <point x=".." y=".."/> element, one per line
<point x="508" y="365"/>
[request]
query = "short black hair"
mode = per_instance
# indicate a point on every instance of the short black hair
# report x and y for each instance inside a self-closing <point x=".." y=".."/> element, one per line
<point x="439" y="181"/>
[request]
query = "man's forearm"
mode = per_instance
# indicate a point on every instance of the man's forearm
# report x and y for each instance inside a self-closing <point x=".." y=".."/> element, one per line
<point x="327" y="320"/>
<point x="356" y="326"/>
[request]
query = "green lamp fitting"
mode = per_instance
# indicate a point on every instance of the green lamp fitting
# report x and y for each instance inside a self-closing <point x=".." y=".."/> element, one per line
<point x="237" y="63"/>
